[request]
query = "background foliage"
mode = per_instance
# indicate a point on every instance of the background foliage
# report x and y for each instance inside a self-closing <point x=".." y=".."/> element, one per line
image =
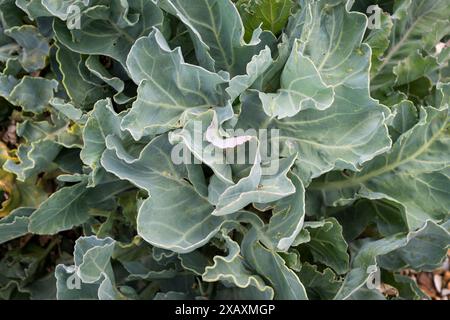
<point x="94" y="208"/>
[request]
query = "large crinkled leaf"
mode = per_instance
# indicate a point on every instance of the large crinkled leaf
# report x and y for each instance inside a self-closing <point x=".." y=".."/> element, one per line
<point x="35" y="47"/>
<point x="259" y="186"/>
<point x="175" y="216"/>
<point x="122" y="23"/>
<point x="167" y="87"/>
<point x="319" y="285"/>
<point x="418" y="25"/>
<point x="57" y="129"/>
<point x="103" y="121"/>
<point x="92" y="256"/>
<point x="431" y="237"/>
<point x="82" y="93"/>
<point x="218" y="34"/>
<point x="287" y="219"/>
<point x="405" y="117"/>
<point x="272" y="268"/>
<point x="415" y="165"/>
<point x="327" y="60"/>
<point x="31" y="93"/>
<point x="33" y="159"/>
<point x="72" y="206"/>
<point x="61" y="8"/>
<point x="15" y="225"/>
<point x="232" y="269"/>
<point x="96" y="67"/>
<point x="259" y="65"/>
<point x="301" y="88"/>
<point x="272" y="14"/>
<point x="91" y="277"/>
<point x="35" y="8"/>
<point x="191" y="141"/>
<point x="324" y="140"/>
<point x="328" y="245"/>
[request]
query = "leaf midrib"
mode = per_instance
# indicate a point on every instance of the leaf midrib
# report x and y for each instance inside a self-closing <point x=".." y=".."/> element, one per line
<point x="381" y="171"/>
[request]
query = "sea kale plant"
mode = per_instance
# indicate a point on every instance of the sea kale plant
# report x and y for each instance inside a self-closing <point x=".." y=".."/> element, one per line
<point x="122" y="123"/>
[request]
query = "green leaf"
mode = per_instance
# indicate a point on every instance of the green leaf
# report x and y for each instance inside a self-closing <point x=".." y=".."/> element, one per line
<point x="218" y="33"/>
<point x="56" y="129"/>
<point x="103" y="121"/>
<point x="256" y="68"/>
<point x="82" y="93"/>
<point x="232" y="269"/>
<point x="327" y="62"/>
<point x="72" y="206"/>
<point x="413" y="68"/>
<point x="260" y="185"/>
<point x="33" y="159"/>
<point x="287" y="219"/>
<point x="34" y="8"/>
<point x="272" y="268"/>
<point x="165" y="93"/>
<point x="175" y="216"/>
<point x="222" y="149"/>
<point x="319" y="285"/>
<point x="308" y="134"/>
<point x="415" y="165"/>
<point x="91" y="277"/>
<point x="32" y="94"/>
<point x="122" y="23"/>
<point x="328" y="245"/>
<point x="302" y="88"/>
<point x="272" y="14"/>
<point x="418" y="25"/>
<point x="35" y="47"/>
<point x="433" y="238"/>
<point x="15" y="224"/>
<point x="407" y="288"/>
<point x="93" y="259"/>
<point x="95" y="66"/>
<point x="406" y="116"/>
